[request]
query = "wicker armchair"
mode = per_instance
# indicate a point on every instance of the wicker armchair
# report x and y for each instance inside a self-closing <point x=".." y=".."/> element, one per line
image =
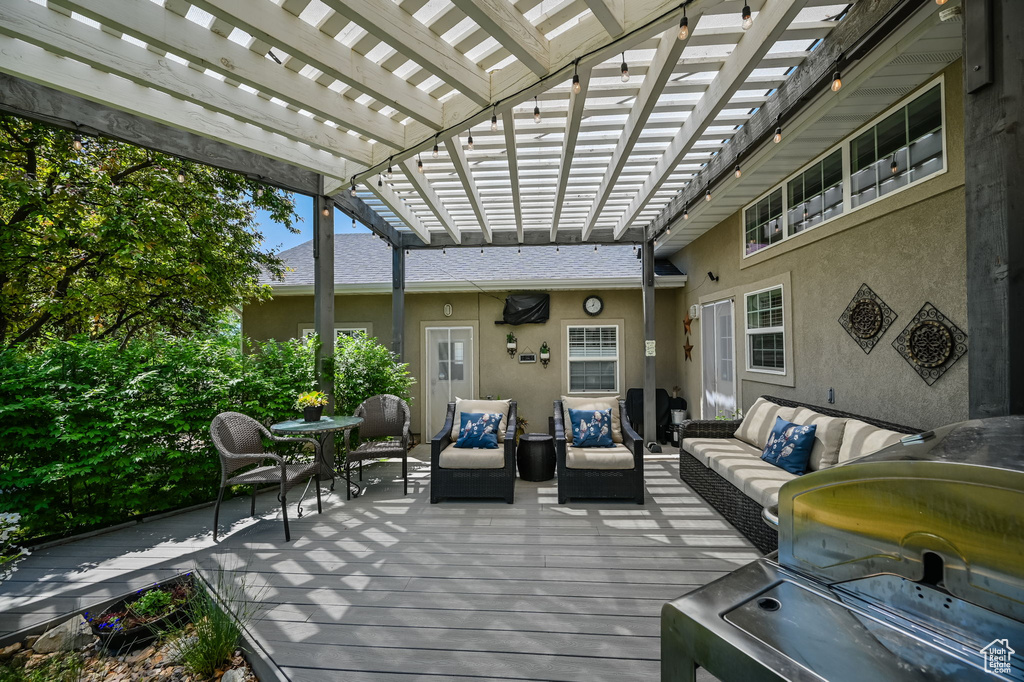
<point x="384" y="416"/>
<point x="473" y="482"/>
<point x="604" y="483"/>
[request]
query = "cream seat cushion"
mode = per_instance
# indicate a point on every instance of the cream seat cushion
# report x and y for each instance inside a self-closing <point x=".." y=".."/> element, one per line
<point x="703" y="448"/>
<point x="861" y="438"/>
<point x="759" y="421"/>
<point x="592" y="403"/>
<point x="828" y="436"/>
<point x="618" y="457"/>
<point x="757" y="479"/>
<point x="489" y="406"/>
<point x="471" y="458"/>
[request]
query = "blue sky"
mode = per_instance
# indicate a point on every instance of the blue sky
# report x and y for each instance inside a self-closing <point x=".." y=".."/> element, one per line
<point x="277" y="237"/>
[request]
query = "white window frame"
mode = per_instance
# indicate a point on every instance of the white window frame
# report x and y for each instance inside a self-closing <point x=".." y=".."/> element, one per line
<point x="848" y="208"/>
<point x="758" y="331"/>
<point x="307" y="331"/>
<point x="607" y="358"/>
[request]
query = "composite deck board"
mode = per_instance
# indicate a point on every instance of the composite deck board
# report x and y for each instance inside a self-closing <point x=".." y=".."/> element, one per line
<point x="390" y="587"/>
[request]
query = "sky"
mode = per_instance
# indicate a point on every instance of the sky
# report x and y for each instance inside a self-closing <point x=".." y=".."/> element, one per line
<point x="276" y="236"/>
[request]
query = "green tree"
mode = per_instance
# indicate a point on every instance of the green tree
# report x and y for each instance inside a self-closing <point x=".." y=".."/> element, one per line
<point x="110" y="239"/>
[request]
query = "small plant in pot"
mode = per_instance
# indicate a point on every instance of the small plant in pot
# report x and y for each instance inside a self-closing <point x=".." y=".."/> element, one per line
<point x="545" y="354"/>
<point x="312" y="405"/>
<point x="138" y="619"/>
<point x="511" y="343"/>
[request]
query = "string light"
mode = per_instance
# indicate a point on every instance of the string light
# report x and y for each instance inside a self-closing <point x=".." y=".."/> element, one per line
<point x="419" y="164"/>
<point x="444" y="251"/>
<point x="684" y="26"/>
<point x="327" y="211"/>
<point x="519" y="250"/>
<point x="576" y="87"/>
<point x="469" y="142"/>
<point x="181" y="177"/>
<point x="738" y="171"/>
<point x="707" y="194"/>
<point x="557" y="249"/>
<point x="494" y="119"/>
<point x="686" y="212"/>
<point x="634" y="248"/>
<point x="837" y="82"/>
<point x="76" y="143"/>
<point x="778" y="131"/>
<point x="941" y="2"/>
<point x="481" y="250"/>
<point x="895" y="166"/>
<point x="259" y="192"/>
<point x="390" y="173"/>
<point x="668" y="231"/>
<point x="748" y="20"/>
<point x="353" y="222"/>
<point x="536" y="110"/>
<point x="624" y="68"/>
<point x="380" y="180"/>
<point x="595" y="248"/>
<point x="352" y="189"/>
<point x="435" y="146"/>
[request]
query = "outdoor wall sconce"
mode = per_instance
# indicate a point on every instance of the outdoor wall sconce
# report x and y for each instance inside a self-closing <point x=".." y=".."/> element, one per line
<point x="545" y="354"/>
<point x="511" y="344"/>
<point x="712" y="277"/>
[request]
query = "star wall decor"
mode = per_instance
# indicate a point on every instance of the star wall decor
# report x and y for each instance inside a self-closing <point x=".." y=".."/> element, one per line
<point x="867" y="318"/>
<point x="687" y="349"/>
<point x="687" y="321"/>
<point x="931" y="343"/>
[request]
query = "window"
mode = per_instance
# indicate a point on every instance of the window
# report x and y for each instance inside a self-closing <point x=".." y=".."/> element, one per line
<point x="816" y="194"/>
<point x="909" y="139"/>
<point x="764" y="222"/>
<point x="765" y="338"/>
<point x="593" y="359"/>
<point x="307" y="332"/>
<point x="451" y="356"/>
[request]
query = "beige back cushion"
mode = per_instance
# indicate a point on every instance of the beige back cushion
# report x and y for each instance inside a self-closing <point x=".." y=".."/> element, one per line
<point x="489" y="406"/>
<point x="592" y="403"/>
<point x="759" y="421"/>
<point x="828" y="436"/>
<point x="861" y="438"/>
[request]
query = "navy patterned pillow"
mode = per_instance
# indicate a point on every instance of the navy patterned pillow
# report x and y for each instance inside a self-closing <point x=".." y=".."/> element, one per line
<point x="479" y="430"/>
<point x="591" y="428"/>
<point x="789" y="446"/>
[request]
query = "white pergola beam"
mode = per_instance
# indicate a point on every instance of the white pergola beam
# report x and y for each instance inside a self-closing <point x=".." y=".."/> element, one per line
<point x="771" y="22"/>
<point x="609" y="13"/>
<point x="508" y="124"/>
<point x="390" y="23"/>
<point x="663" y="64"/>
<point x="577" y="102"/>
<point x="22" y="60"/>
<point x="266" y="21"/>
<point x="422" y="187"/>
<point x="509" y="27"/>
<point x="458" y="157"/>
<point x="387" y="196"/>
<point x="66" y="37"/>
<point x="165" y="30"/>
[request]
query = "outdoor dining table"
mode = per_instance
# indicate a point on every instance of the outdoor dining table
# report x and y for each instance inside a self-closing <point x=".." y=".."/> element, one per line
<point x="319" y="430"/>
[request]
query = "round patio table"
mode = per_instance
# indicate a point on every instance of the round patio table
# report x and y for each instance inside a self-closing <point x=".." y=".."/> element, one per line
<point x="319" y="430"/>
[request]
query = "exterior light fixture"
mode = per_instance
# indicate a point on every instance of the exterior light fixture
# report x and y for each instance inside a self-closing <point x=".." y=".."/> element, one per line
<point x="76" y="143"/>
<point x="494" y="119"/>
<point x="624" y="68"/>
<point x="748" y="20"/>
<point x="536" y="110"/>
<point x="435" y="146"/>
<point x="419" y="164"/>
<point x="738" y="172"/>
<point x="469" y="142"/>
<point x="390" y="173"/>
<point x="837" y="82"/>
<point x="684" y="26"/>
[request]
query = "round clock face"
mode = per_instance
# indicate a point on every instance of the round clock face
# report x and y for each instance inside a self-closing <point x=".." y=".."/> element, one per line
<point x="592" y="305"/>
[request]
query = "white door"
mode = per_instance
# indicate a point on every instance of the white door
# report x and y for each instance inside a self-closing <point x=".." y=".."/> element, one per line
<point x="449" y="353"/>
<point x="718" y="352"/>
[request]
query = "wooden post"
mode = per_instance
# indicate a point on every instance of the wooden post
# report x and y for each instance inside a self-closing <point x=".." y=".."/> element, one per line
<point x="323" y="300"/>
<point x="994" y="189"/>
<point x="650" y="380"/>
<point x="398" y="302"/>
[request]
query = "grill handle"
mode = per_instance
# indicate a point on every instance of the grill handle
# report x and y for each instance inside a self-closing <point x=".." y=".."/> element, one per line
<point x="770" y="515"/>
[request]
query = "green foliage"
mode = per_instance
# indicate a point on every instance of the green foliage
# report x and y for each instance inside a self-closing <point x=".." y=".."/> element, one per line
<point x="10" y="553"/>
<point x="94" y="433"/>
<point x="106" y="241"/>
<point x="152" y="604"/>
<point x="311" y="399"/>
<point x="67" y="667"/>
<point x="364" y="368"/>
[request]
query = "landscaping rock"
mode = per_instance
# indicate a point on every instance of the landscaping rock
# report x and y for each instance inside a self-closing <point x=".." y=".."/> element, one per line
<point x="234" y="675"/>
<point x="172" y="652"/>
<point x="72" y="634"/>
<point x="9" y="651"/>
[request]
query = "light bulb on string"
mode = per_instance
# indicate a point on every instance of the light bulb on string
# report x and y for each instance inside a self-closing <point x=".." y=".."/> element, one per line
<point x="557" y="249"/>
<point x="941" y="2"/>
<point x="352" y="189"/>
<point x="738" y="172"/>
<point x="595" y="248"/>
<point x="390" y="173"/>
<point x="748" y="20"/>
<point x="576" y="87"/>
<point x="435" y="147"/>
<point x="684" y="26"/>
<point x="536" y="110"/>
<point x="624" y="69"/>
<point x="686" y="212"/>
<point x="326" y="212"/>
<point x="419" y="164"/>
<point x="634" y="248"/>
<point x="444" y="251"/>
<point x="778" y="134"/>
<point x="259" y="192"/>
<point x="469" y="142"/>
<point x="380" y="180"/>
<point x="895" y="166"/>
<point x="707" y="194"/>
<point x="494" y="120"/>
<point x="353" y="222"/>
<point x="837" y="81"/>
<point x="668" y="231"/>
<point x="181" y="177"/>
<point x="76" y="143"/>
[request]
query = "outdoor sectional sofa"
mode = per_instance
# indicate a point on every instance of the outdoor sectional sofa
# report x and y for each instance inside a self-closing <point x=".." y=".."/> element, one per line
<point x="721" y="460"/>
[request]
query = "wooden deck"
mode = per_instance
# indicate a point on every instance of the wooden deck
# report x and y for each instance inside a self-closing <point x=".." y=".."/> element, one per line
<point x="390" y="587"/>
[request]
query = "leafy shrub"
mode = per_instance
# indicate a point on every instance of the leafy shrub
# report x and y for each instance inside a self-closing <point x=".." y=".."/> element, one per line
<point x="151" y="604"/>
<point x="65" y="667"/>
<point x="10" y="554"/>
<point x="364" y="368"/>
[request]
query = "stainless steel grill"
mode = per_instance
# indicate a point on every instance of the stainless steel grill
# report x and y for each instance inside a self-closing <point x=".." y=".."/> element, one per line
<point x="907" y="564"/>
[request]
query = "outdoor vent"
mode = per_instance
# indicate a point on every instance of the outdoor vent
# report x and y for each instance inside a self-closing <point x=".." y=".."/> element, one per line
<point x="526" y="309"/>
<point x="927" y="58"/>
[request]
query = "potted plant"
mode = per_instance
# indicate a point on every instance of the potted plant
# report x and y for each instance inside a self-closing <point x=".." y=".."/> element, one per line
<point x="312" y="405"/>
<point x="138" y="619"/>
<point x="510" y="343"/>
<point x="545" y="353"/>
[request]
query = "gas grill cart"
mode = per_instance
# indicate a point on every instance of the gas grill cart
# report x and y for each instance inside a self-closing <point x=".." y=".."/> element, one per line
<point x="905" y="564"/>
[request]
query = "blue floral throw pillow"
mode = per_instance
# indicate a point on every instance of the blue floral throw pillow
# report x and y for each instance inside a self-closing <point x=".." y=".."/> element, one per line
<point x="478" y="430"/>
<point x="789" y="446"/>
<point x="591" y="428"/>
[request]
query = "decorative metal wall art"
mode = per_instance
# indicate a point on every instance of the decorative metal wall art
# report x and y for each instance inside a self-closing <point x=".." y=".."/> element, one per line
<point x="867" y="318"/>
<point x="688" y="349"/>
<point x="931" y="343"/>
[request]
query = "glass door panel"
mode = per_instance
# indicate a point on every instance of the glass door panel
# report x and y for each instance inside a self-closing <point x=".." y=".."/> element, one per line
<point x="449" y="353"/>
<point x="718" y="366"/>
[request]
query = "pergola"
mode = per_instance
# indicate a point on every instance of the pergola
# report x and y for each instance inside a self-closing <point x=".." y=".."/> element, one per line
<point x="450" y="123"/>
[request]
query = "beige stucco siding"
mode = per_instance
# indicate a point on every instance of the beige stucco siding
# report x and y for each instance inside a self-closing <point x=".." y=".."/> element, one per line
<point x="910" y="248"/>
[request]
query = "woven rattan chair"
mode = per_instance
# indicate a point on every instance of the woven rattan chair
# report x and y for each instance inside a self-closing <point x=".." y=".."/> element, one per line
<point x="599" y="483"/>
<point x="239" y="440"/>
<point x="384" y="416"/>
<point x="496" y="482"/>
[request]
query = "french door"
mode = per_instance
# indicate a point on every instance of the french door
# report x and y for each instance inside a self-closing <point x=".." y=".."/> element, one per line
<point x="718" y="359"/>
<point x="449" y="355"/>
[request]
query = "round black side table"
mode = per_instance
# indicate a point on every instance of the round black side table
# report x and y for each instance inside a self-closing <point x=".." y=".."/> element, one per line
<point x="536" y="457"/>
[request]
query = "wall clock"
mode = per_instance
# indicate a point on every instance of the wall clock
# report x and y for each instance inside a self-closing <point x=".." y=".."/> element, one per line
<point x="593" y="305"/>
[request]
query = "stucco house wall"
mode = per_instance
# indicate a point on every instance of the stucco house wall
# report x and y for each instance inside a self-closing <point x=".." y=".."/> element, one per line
<point x="910" y="248"/>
